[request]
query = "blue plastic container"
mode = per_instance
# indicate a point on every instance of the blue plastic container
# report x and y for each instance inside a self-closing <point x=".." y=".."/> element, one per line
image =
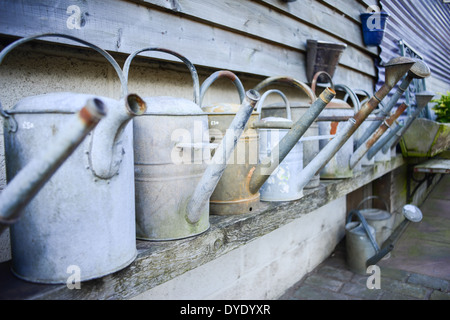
<point x="373" y="25"/>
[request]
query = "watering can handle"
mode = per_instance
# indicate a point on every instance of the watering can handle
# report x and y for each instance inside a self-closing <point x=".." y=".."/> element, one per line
<point x="350" y="93"/>
<point x="283" y="96"/>
<point x="108" y="57"/>
<point x="365" y="226"/>
<point x="372" y="197"/>
<point x="222" y="74"/>
<point x="316" y="78"/>
<point x="282" y="79"/>
<point x="189" y="64"/>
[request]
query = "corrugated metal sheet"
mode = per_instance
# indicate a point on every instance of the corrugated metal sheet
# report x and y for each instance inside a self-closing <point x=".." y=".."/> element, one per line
<point x="425" y="26"/>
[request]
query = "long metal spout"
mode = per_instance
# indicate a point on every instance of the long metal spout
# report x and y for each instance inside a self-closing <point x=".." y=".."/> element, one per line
<point x="27" y="183"/>
<point x="395" y="69"/>
<point x="419" y="70"/>
<point x="105" y="154"/>
<point x="384" y="140"/>
<point x="214" y="171"/>
<point x="267" y="165"/>
<point x="422" y="99"/>
<point x="364" y="148"/>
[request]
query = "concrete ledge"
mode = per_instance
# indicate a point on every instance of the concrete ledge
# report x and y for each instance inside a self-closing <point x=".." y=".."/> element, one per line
<point x="159" y="262"/>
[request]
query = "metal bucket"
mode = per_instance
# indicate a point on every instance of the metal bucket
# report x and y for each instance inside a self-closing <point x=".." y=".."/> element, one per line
<point x="81" y="217"/>
<point x="381" y="220"/>
<point x="282" y="184"/>
<point x="359" y="243"/>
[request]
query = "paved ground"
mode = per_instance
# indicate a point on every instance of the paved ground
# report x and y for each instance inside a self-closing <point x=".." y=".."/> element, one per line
<point x="418" y="268"/>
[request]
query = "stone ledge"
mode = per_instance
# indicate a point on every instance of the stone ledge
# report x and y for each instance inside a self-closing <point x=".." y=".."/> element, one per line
<point x="158" y="262"/>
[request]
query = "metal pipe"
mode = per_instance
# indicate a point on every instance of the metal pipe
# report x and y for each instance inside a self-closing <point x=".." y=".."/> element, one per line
<point x="383" y="140"/>
<point x="395" y="69"/>
<point x="215" y="169"/>
<point x="422" y="99"/>
<point x="418" y="71"/>
<point x="108" y="133"/>
<point x="267" y="165"/>
<point x="364" y="148"/>
<point x="27" y="183"/>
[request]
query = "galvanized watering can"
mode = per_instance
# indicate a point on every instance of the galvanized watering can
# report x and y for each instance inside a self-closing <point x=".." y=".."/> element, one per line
<point x="395" y="69"/>
<point x="311" y="137"/>
<point x="362" y="247"/>
<point x="84" y="215"/>
<point x="282" y="184"/>
<point x="241" y="194"/>
<point x="331" y="121"/>
<point x="391" y="138"/>
<point x="174" y="172"/>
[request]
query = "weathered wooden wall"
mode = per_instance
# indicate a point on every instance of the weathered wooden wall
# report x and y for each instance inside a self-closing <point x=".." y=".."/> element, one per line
<point x="261" y="37"/>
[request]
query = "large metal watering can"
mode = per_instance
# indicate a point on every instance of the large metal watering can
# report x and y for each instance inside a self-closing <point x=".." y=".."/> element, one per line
<point x="175" y="174"/>
<point x="282" y="184"/>
<point x="311" y="136"/>
<point x="331" y="121"/>
<point x="84" y="215"/>
<point x="395" y="69"/>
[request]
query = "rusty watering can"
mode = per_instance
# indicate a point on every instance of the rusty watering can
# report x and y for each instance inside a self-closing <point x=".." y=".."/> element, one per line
<point x="175" y="174"/>
<point x="331" y="121"/>
<point x="395" y="69"/>
<point x="419" y="70"/>
<point x="84" y="215"/>
<point x="311" y="137"/>
<point x="281" y="185"/>
<point x="391" y="139"/>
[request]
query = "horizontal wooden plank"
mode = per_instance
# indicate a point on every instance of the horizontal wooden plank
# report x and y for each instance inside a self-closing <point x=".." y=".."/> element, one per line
<point x="350" y="9"/>
<point x="158" y="262"/>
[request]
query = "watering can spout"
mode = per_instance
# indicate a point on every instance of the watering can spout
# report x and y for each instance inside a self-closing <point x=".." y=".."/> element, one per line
<point x="105" y="154"/>
<point x="27" y="183"/>
<point x="266" y="166"/>
<point x="215" y="169"/>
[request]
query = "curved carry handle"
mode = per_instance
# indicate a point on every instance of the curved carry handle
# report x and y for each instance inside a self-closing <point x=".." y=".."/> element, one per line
<point x="189" y="64"/>
<point x="283" y="96"/>
<point x="365" y="226"/>
<point x="291" y="81"/>
<point x="222" y="74"/>
<point x="108" y="57"/>
<point x="373" y="197"/>
<point x="350" y="93"/>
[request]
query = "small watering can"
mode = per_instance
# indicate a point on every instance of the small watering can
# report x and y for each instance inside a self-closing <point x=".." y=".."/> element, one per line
<point x="227" y="196"/>
<point x="331" y="121"/>
<point x="84" y="215"/>
<point x="281" y="185"/>
<point x="174" y="172"/>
